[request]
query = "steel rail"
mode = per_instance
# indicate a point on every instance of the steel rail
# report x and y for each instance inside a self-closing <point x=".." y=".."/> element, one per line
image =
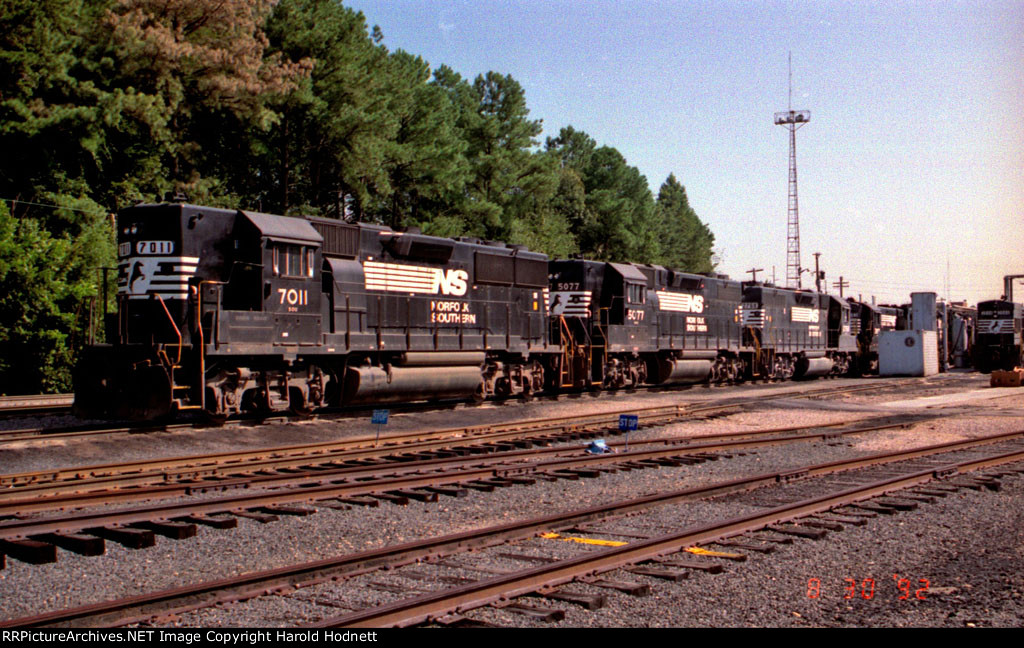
<point x="513" y="463"/>
<point x="86" y="430"/>
<point x="392" y="441"/>
<point x="181" y="599"/>
<point x="433" y="605"/>
<point x="38" y="400"/>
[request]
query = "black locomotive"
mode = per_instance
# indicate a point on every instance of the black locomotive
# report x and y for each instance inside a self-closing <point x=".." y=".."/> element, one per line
<point x="224" y="311"/>
<point x="867" y="322"/>
<point x="999" y="336"/>
<point x="624" y="324"/>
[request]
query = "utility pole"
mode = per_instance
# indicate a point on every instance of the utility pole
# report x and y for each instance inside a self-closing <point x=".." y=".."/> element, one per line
<point x="792" y="120"/>
<point x="840" y="285"/>
<point x="817" y="273"/>
<point x="753" y="273"/>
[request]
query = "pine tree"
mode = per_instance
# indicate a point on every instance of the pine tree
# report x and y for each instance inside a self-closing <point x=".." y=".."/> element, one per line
<point x="687" y="240"/>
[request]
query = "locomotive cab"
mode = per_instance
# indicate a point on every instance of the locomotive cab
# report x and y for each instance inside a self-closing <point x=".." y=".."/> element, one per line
<point x="999" y="336"/>
<point x="196" y="286"/>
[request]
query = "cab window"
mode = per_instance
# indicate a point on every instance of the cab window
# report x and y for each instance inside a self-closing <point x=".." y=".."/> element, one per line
<point x="636" y="293"/>
<point x="292" y="261"/>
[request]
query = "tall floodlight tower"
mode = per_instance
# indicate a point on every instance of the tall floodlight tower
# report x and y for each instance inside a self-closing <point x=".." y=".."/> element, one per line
<point x="792" y="120"/>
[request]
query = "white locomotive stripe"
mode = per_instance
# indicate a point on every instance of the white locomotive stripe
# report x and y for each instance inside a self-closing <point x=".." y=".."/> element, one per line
<point x="414" y="279"/>
<point x="167" y="276"/>
<point x="400" y="278"/>
<point x="680" y="302"/>
<point x="995" y="326"/>
<point x="801" y="314"/>
<point x="574" y="303"/>
<point x="752" y="317"/>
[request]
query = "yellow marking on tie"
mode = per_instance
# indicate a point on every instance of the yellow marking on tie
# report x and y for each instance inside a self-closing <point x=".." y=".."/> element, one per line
<point x="717" y="554"/>
<point x="589" y="541"/>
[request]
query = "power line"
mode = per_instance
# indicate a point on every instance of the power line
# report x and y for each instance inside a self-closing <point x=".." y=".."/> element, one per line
<point x="35" y="204"/>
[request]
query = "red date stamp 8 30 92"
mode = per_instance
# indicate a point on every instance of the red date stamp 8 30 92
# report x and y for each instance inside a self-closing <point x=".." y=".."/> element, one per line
<point x="865" y="588"/>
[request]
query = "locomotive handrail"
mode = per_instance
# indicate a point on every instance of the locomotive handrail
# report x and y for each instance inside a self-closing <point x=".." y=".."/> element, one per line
<point x="177" y="331"/>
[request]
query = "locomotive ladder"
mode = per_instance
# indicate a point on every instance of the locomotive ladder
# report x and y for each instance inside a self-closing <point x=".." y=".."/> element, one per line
<point x="179" y="393"/>
<point x="569" y="346"/>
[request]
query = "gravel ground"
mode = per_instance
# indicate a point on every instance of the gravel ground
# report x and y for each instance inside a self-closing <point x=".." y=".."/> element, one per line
<point x="972" y="580"/>
<point x="950" y="542"/>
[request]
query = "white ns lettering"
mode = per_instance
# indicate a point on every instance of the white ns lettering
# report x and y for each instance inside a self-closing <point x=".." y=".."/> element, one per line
<point x="452" y="282"/>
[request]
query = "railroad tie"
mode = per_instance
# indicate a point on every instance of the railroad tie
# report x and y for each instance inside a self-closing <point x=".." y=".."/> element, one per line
<point x="82" y="544"/>
<point x="543" y="476"/>
<point x="932" y="492"/>
<point x="917" y="497"/>
<point x="700" y="551"/>
<point x="872" y="507"/>
<point x="710" y="568"/>
<point x="564" y="474"/>
<point x="747" y="547"/>
<point x="664" y="574"/>
<point x="626" y="587"/>
<point x="522" y="481"/>
<point x="896" y="503"/>
<point x="668" y="462"/>
<point x="168" y="529"/>
<point x="989" y="483"/>
<point x="416" y="574"/>
<point x="459" y="621"/>
<point x="335" y="507"/>
<point x="800" y="532"/>
<point x="529" y="559"/>
<point x="418" y="495"/>
<point x="586" y="601"/>
<point x="859" y="513"/>
<point x="32" y="552"/>
<point x="214" y="521"/>
<point x="774" y="538"/>
<point x="450" y="491"/>
<point x="537" y="613"/>
<point x="286" y="510"/>
<point x="589" y="473"/>
<point x="252" y="514"/>
<point x="125" y="536"/>
<point x="400" y="500"/>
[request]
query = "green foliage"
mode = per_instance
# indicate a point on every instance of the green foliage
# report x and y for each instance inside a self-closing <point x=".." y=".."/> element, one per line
<point x="285" y="106"/>
<point x="687" y="242"/>
<point x="44" y="283"/>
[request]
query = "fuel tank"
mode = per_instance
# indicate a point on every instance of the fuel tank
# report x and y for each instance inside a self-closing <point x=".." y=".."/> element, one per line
<point x="374" y="384"/>
<point x="812" y="367"/>
<point x="682" y="371"/>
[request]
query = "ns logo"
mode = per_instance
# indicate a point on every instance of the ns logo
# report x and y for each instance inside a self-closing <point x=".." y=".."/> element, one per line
<point x="450" y="282"/>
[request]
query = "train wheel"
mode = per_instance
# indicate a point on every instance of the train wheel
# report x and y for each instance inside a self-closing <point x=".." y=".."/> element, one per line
<point x="297" y="403"/>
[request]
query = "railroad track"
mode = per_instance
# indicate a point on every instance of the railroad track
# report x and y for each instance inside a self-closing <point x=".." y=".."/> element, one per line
<point x="658" y="551"/>
<point x="921" y="466"/>
<point x="384" y="477"/>
<point x="35" y="405"/>
<point x="99" y="430"/>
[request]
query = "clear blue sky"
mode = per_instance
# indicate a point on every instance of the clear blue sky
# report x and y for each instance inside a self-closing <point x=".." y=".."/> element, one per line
<point x="914" y="155"/>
